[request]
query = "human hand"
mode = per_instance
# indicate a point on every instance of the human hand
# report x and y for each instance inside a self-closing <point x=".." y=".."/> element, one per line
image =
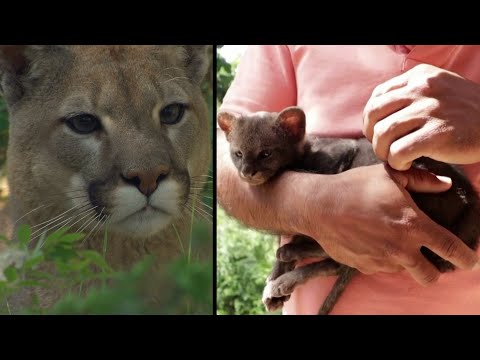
<point x="427" y="111"/>
<point x="373" y="224"/>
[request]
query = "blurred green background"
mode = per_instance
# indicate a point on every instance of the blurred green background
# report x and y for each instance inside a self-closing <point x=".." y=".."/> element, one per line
<point x="189" y="280"/>
<point x="3" y="131"/>
<point x="244" y="256"/>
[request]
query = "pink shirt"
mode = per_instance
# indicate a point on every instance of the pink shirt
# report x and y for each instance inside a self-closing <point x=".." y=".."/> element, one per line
<point x="332" y="84"/>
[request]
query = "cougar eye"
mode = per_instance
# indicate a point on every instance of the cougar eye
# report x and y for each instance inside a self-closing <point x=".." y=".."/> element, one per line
<point x="172" y="114"/>
<point x="264" y="154"/>
<point x="239" y="154"/>
<point x="83" y="123"/>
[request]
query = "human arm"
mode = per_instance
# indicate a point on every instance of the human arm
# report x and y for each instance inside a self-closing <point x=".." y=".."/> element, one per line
<point x="427" y="111"/>
<point x="352" y="215"/>
<point x="273" y="208"/>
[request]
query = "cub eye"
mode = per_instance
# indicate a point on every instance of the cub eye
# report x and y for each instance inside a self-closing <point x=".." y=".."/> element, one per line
<point x="172" y="114"/>
<point x="265" y="154"/>
<point x="83" y="123"/>
<point x="239" y="154"/>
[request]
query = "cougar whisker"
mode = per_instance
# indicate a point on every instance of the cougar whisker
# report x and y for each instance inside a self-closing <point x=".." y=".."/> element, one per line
<point x="86" y="225"/>
<point x="98" y="223"/>
<point x="37" y="208"/>
<point x="89" y="210"/>
<point x="199" y="213"/>
<point x="80" y="205"/>
<point x="52" y="227"/>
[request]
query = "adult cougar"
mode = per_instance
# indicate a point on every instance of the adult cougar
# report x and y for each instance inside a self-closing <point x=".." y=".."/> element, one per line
<point x="117" y="133"/>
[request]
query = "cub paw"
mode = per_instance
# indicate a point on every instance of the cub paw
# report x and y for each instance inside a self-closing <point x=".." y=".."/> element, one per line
<point x="271" y="302"/>
<point x="282" y="286"/>
<point x="284" y="254"/>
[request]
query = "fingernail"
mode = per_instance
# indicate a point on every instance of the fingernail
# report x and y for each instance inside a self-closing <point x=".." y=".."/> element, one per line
<point x="477" y="266"/>
<point x="444" y="179"/>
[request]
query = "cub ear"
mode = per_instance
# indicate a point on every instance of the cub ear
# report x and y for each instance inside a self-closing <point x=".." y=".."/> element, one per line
<point x="292" y="121"/>
<point x="226" y="121"/>
<point x="198" y="61"/>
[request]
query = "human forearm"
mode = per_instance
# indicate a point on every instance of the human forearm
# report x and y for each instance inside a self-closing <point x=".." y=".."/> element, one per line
<point x="363" y="217"/>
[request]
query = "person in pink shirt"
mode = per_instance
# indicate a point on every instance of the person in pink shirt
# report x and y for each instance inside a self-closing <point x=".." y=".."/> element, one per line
<point x="409" y="101"/>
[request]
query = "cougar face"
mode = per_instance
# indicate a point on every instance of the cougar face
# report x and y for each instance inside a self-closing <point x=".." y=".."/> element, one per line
<point x="107" y="132"/>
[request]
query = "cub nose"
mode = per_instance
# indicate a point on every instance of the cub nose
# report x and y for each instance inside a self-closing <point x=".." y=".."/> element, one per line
<point x="249" y="175"/>
<point x="147" y="181"/>
<point x="248" y="171"/>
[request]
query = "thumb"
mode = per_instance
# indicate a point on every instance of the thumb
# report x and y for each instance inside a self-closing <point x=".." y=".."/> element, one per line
<point x="419" y="180"/>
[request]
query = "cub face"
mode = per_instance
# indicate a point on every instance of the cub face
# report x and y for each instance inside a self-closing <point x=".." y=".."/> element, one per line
<point x="117" y="132"/>
<point x="263" y="143"/>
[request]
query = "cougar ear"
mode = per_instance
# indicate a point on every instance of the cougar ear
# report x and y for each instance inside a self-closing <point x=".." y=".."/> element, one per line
<point x="292" y="122"/>
<point x="226" y="121"/>
<point x="15" y="64"/>
<point x="198" y="60"/>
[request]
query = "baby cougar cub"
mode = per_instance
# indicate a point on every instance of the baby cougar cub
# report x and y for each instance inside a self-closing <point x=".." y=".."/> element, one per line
<point x="263" y="144"/>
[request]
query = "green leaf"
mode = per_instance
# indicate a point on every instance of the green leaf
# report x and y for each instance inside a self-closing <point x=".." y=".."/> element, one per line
<point x="71" y="238"/>
<point x="11" y="273"/>
<point x="95" y="258"/>
<point x="33" y="260"/>
<point x="63" y="269"/>
<point x="105" y="240"/>
<point x="61" y="254"/>
<point x="24" y="233"/>
<point x="39" y="241"/>
<point x="41" y="275"/>
<point x="31" y="283"/>
<point x="52" y="239"/>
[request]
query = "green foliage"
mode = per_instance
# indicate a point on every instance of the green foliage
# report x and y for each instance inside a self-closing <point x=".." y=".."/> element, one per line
<point x="20" y="264"/>
<point x="186" y="285"/>
<point x="192" y="290"/>
<point x="244" y="260"/>
<point x="187" y="292"/>
<point x="225" y="75"/>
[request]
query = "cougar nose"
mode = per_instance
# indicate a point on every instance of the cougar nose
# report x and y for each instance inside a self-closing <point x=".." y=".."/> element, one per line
<point x="147" y="181"/>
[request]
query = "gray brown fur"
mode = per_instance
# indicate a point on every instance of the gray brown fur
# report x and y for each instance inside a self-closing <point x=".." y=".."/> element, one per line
<point x="457" y="209"/>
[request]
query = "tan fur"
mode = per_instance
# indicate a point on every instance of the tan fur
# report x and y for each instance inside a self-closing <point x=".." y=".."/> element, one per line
<point x="5" y="224"/>
<point x="122" y="85"/>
